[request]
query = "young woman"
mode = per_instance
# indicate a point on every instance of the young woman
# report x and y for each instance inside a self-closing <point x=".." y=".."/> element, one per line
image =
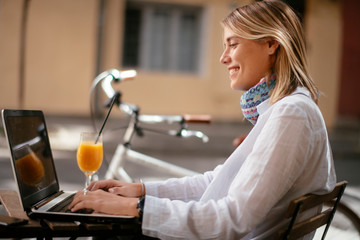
<point x="285" y="155"/>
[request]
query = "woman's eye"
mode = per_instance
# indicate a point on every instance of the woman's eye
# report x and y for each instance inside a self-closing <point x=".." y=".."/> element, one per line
<point x="232" y="45"/>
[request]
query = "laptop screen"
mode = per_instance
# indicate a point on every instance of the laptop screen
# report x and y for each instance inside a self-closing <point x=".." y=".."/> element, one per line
<point x="31" y="156"/>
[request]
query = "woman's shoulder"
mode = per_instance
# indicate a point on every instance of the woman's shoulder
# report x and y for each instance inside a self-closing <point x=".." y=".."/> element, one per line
<point x="300" y="96"/>
<point x="299" y="103"/>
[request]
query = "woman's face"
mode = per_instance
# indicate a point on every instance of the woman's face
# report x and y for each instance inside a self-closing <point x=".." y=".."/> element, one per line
<point x="247" y="60"/>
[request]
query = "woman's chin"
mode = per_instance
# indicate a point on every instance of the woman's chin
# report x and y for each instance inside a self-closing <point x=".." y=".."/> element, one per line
<point x="235" y="86"/>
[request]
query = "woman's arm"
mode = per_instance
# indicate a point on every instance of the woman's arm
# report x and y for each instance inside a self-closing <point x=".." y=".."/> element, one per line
<point x="185" y="189"/>
<point x="120" y="198"/>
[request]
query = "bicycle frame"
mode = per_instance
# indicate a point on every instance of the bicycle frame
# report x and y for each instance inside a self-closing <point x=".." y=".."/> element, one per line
<point x="123" y="152"/>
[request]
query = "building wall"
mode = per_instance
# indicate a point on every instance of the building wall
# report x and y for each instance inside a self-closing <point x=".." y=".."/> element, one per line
<point x="61" y="59"/>
<point x="324" y="36"/>
<point x="350" y="61"/>
<point x="59" y="55"/>
<point x="10" y="23"/>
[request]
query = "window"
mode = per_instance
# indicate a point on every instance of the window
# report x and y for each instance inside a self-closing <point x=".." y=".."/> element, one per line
<point x="162" y="37"/>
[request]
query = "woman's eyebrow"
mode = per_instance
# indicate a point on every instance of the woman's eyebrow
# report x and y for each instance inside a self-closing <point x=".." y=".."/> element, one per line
<point x="228" y="39"/>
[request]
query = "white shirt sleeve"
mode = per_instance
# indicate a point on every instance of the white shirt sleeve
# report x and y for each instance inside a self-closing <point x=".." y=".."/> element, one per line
<point x="288" y="151"/>
<point x="185" y="189"/>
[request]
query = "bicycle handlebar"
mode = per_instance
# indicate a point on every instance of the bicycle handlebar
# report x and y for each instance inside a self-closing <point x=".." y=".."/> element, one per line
<point x="115" y="75"/>
<point x="190" y="133"/>
<point x="110" y="75"/>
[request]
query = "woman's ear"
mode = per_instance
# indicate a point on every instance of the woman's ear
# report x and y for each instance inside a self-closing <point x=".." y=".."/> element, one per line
<point x="273" y="45"/>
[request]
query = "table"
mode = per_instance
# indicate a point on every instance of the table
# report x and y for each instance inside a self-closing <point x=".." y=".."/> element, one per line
<point x="45" y="229"/>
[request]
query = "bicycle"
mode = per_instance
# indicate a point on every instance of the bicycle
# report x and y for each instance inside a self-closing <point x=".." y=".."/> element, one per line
<point x="123" y="150"/>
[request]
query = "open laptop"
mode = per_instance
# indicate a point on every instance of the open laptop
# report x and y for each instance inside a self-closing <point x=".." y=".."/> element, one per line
<point x="34" y="170"/>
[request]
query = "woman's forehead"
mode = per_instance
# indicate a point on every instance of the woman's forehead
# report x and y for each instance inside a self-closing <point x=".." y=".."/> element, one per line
<point x="229" y="34"/>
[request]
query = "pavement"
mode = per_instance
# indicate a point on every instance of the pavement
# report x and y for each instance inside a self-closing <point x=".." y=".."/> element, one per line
<point x="189" y="153"/>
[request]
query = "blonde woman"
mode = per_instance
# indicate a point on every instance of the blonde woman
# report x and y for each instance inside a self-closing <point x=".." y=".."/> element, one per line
<point x="286" y="154"/>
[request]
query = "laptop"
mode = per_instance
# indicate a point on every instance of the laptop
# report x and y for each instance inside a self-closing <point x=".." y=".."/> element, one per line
<point x="34" y="170"/>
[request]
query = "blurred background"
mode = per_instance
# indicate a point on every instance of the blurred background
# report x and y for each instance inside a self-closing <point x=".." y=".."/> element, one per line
<point x="51" y="51"/>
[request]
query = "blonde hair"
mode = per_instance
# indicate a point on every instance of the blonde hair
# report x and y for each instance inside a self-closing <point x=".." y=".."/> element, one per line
<point x="271" y="19"/>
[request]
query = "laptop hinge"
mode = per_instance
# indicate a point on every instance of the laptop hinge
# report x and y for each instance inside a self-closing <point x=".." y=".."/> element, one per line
<point x="48" y="199"/>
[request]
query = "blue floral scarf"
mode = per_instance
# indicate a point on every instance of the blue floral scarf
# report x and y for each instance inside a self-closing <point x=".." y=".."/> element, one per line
<point x="254" y="96"/>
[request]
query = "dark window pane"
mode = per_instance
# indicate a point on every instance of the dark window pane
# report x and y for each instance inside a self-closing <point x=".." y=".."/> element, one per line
<point x="162" y="37"/>
<point x="188" y="42"/>
<point x="159" y="58"/>
<point x="131" y="38"/>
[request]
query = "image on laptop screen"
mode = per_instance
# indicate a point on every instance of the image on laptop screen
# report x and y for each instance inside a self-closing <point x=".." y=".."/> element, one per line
<point x="31" y="156"/>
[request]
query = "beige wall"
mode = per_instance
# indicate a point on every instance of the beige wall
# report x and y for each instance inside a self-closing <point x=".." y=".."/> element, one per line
<point x="10" y="22"/>
<point x="61" y="51"/>
<point x="324" y="35"/>
<point x="59" y="56"/>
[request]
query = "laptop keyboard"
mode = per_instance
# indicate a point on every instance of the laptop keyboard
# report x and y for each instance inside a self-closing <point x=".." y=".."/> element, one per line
<point x="63" y="205"/>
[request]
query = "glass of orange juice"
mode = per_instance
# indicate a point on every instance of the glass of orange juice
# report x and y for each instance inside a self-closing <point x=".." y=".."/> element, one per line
<point x="89" y="155"/>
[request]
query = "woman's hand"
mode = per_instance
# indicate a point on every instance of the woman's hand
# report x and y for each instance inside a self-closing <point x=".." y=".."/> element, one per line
<point x="120" y="188"/>
<point x="104" y="202"/>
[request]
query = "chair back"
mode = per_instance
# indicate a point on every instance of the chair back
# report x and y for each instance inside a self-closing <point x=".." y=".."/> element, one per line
<point x="308" y="201"/>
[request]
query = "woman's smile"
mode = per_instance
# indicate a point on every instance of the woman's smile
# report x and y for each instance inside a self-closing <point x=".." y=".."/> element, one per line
<point x="233" y="70"/>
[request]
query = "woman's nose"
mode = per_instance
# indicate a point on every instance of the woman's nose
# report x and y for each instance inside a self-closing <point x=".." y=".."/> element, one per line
<point x="224" y="58"/>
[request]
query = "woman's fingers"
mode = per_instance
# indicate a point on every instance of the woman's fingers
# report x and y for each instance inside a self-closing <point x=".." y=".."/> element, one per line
<point x="127" y="189"/>
<point x="89" y="201"/>
<point x="104" y="202"/>
<point x="115" y="190"/>
<point x="104" y="184"/>
<point x="117" y="187"/>
<point x="78" y="198"/>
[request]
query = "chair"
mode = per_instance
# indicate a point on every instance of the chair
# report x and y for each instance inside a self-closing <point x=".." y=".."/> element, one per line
<point x="329" y="201"/>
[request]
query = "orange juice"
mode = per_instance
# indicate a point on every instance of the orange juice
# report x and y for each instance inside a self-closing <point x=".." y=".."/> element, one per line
<point x="89" y="156"/>
<point x="30" y="168"/>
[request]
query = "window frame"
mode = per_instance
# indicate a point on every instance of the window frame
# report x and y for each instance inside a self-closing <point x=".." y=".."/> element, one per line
<point x="176" y="11"/>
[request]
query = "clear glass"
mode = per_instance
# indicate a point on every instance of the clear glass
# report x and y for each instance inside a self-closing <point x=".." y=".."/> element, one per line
<point x="89" y="155"/>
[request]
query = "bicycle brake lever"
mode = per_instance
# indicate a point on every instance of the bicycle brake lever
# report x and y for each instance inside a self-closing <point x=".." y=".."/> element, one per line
<point x="190" y="133"/>
<point x="139" y="131"/>
<point x="117" y="96"/>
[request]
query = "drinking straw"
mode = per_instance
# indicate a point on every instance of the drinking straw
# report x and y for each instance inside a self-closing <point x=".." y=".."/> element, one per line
<point x="107" y="116"/>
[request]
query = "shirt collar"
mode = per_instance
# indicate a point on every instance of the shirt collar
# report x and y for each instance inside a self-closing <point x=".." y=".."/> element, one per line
<point x="262" y="107"/>
<point x="302" y="90"/>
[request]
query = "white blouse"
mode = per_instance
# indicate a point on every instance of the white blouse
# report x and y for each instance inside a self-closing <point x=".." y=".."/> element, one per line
<point x="285" y="155"/>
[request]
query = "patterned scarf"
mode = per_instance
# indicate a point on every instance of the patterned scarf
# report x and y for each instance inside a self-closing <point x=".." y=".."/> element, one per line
<point x="254" y="96"/>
